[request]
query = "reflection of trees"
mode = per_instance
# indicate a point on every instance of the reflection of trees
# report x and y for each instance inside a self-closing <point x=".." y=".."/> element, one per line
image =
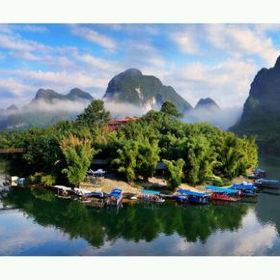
<point x="133" y="222"/>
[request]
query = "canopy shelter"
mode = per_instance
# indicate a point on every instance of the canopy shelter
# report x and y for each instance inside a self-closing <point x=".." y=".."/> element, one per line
<point x="244" y="186"/>
<point x="98" y="172"/>
<point x="63" y="188"/>
<point x="188" y="192"/>
<point x="217" y="189"/>
<point x="150" y="192"/>
<point x="116" y="192"/>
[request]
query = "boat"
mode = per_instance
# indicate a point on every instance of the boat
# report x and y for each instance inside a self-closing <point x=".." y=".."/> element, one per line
<point x="267" y="183"/>
<point x="97" y="193"/>
<point x="62" y="191"/>
<point x="151" y="196"/>
<point x="195" y="197"/>
<point x="182" y="199"/>
<point x="257" y="174"/>
<point x="246" y="189"/>
<point x="223" y="193"/>
<point x="115" y="197"/>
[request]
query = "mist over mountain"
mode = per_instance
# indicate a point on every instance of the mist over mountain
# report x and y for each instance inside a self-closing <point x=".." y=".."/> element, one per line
<point x="46" y="108"/>
<point x="145" y="92"/>
<point x="207" y="104"/>
<point x="129" y="93"/>
<point x="207" y="110"/>
<point x="261" y="112"/>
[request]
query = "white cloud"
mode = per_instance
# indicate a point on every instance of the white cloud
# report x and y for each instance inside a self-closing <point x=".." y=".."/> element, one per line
<point x="93" y="36"/>
<point x="227" y="83"/>
<point x="15" y="42"/>
<point x="242" y="40"/>
<point x="185" y="40"/>
<point x="14" y="87"/>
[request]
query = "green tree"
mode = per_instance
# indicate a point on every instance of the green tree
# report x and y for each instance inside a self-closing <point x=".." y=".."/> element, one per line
<point x="94" y="114"/>
<point x="170" y="109"/>
<point x="78" y="155"/>
<point x="175" y="169"/>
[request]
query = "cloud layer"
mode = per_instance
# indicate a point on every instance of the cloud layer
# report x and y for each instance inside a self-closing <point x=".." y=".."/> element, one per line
<point x="198" y="60"/>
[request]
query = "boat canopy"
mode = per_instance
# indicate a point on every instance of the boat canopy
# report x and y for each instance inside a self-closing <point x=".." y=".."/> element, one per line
<point x="245" y="186"/>
<point x="150" y="192"/>
<point x="217" y="189"/>
<point x="62" y="188"/>
<point x="116" y="192"/>
<point x="266" y="181"/>
<point x="96" y="172"/>
<point x="188" y="192"/>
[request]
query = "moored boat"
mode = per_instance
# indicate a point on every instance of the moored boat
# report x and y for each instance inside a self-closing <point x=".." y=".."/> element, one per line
<point x="266" y="183"/>
<point x="223" y="193"/>
<point x="115" y="197"/>
<point x="152" y="196"/>
<point x="195" y="197"/>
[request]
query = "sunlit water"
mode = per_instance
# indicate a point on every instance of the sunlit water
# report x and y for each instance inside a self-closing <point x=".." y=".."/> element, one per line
<point x="38" y="223"/>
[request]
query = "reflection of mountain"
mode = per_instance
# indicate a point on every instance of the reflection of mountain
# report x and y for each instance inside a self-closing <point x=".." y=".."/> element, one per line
<point x="133" y="223"/>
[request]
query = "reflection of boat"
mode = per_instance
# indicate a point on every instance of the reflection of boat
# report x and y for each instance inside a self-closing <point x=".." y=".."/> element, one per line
<point x="194" y="197"/>
<point x="114" y="197"/>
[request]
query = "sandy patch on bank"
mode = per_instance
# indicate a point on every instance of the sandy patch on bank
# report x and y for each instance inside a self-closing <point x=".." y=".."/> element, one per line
<point x="107" y="185"/>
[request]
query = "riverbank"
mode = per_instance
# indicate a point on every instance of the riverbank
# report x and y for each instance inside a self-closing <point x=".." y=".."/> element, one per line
<point x="108" y="184"/>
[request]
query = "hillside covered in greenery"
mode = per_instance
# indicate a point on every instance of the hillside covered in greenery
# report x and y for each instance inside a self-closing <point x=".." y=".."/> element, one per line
<point x="193" y="153"/>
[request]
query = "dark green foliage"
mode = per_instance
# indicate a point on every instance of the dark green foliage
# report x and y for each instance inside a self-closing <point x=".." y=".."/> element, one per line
<point x="175" y="169"/>
<point x="195" y="153"/>
<point x="94" y="114"/>
<point x="170" y="109"/>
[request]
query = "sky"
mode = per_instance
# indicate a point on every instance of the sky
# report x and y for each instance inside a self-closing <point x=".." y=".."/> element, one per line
<point x="197" y="60"/>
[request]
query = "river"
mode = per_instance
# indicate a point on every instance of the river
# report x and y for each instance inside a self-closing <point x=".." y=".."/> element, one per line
<point x="36" y="223"/>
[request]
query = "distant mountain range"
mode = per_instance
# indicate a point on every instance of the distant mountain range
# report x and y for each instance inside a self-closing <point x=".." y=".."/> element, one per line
<point x="207" y="104"/>
<point x="128" y="93"/>
<point x="47" y="107"/>
<point x="261" y="112"/>
<point x="148" y="92"/>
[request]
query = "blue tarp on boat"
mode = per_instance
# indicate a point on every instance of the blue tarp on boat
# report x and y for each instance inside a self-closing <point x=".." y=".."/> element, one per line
<point x="116" y="192"/>
<point x="222" y="190"/>
<point x="187" y="192"/>
<point x="244" y="187"/>
<point x="150" y="192"/>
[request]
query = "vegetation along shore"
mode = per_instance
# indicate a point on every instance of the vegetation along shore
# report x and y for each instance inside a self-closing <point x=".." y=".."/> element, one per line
<point x="192" y="154"/>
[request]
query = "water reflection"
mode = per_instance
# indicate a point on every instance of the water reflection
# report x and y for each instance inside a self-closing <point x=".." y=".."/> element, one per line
<point x="133" y="223"/>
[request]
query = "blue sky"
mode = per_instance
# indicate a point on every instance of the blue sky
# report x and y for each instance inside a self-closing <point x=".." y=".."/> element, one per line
<point x="198" y="60"/>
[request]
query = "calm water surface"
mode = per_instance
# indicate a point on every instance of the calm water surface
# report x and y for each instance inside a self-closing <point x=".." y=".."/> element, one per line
<point x="37" y="223"/>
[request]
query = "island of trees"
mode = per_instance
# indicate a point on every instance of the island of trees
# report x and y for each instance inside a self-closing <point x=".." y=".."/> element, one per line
<point x="193" y="153"/>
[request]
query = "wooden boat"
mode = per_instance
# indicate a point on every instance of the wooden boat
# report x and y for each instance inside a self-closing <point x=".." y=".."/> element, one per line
<point x="257" y="174"/>
<point x="153" y="198"/>
<point x="182" y="199"/>
<point x="274" y="184"/>
<point x="195" y="197"/>
<point x="223" y="193"/>
<point x="223" y="196"/>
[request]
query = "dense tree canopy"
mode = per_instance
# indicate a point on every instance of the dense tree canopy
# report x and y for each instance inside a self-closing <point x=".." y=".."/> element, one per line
<point x="195" y="153"/>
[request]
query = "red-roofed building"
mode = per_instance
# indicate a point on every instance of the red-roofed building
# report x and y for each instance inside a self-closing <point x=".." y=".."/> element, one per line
<point x="115" y="124"/>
